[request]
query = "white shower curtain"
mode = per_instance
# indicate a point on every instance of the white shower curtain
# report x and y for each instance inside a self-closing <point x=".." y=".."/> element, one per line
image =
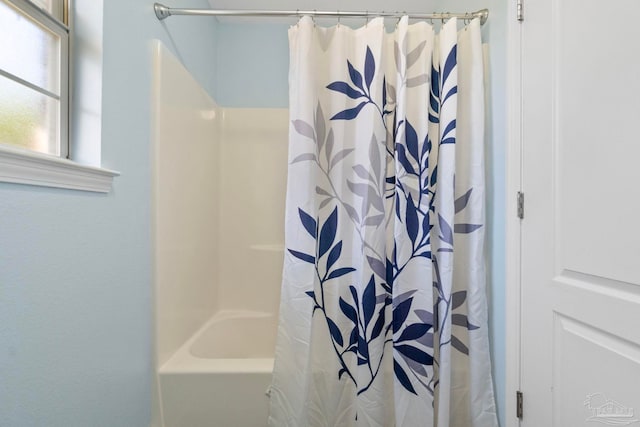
<point x="383" y="317"/>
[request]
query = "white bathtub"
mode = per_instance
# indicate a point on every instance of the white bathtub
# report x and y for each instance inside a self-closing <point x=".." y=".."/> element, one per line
<point x="220" y="376"/>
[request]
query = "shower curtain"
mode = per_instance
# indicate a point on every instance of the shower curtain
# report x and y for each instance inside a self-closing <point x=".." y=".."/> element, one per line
<point x="383" y="317"/>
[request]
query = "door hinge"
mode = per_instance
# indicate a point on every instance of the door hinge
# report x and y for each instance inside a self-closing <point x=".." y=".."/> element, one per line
<point x="520" y="10"/>
<point x="520" y="204"/>
<point x="519" y="402"/>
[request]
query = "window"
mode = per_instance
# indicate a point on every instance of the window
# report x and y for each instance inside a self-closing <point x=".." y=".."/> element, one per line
<point x="35" y="113"/>
<point x="34" y="75"/>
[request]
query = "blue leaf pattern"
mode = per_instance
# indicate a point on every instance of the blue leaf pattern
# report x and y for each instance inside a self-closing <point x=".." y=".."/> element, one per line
<point x="369" y="301"/>
<point x="328" y="233"/>
<point x="308" y="222"/>
<point x="412" y="220"/>
<point x="404" y="160"/>
<point x="355" y="75"/>
<point x="304" y="257"/>
<point x="335" y="332"/>
<point x="412" y="141"/>
<point x="344" y="87"/>
<point x="340" y="272"/>
<point x="349" y="311"/>
<point x="450" y="63"/>
<point x="379" y="325"/>
<point x="414" y="331"/>
<point x="334" y="254"/>
<point x="402" y="377"/>
<point x="452" y="91"/>
<point x="450" y="127"/>
<point x="415" y="354"/>
<point x="369" y="68"/>
<point x="349" y="114"/>
<point x="400" y="314"/>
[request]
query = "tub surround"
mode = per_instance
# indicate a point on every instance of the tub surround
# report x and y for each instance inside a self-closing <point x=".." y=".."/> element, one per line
<point x="219" y="180"/>
<point x="185" y="193"/>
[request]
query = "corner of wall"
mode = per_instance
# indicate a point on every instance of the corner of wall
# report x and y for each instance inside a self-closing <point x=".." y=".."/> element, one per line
<point x="86" y="81"/>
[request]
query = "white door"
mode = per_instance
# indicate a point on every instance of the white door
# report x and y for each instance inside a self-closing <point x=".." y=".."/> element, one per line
<point x="580" y="236"/>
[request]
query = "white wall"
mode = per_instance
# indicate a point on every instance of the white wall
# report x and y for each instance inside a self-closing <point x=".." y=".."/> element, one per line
<point x="253" y="180"/>
<point x="185" y="199"/>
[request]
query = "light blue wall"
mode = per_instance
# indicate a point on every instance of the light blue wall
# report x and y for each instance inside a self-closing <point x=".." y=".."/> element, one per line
<point x="253" y="70"/>
<point x="75" y="267"/>
<point x="253" y="65"/>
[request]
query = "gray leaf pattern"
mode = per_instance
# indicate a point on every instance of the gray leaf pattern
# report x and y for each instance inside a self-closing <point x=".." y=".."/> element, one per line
<point x="418" y="80"/>
<point x="304" y="128"/>
<point x="320" y="129"/>
<point x="374" y="156"/>
<point x="303" y="157"/>
<point x="328" y="150"/>
<point x="341" y="155"/>
<point x="413" y="56"/>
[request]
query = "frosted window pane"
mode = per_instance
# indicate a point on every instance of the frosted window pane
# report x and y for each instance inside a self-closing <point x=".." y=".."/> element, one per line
<point x="28" y="50"/>
<point x="28" y="119"/>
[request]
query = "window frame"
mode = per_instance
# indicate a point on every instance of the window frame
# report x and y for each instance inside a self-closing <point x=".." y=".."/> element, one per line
<point x="57" y="25"/>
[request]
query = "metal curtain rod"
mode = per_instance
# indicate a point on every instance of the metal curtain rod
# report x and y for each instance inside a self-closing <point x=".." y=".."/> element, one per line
<point x="163" y="12"/>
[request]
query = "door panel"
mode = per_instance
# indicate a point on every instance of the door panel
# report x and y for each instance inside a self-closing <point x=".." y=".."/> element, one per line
<point x="597" y="102"/>
<point x="580" y="346"/>
<point x="579" y="351"/>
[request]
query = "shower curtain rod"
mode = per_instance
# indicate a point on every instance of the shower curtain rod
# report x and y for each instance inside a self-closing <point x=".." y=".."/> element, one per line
<point x="163" y="12"/>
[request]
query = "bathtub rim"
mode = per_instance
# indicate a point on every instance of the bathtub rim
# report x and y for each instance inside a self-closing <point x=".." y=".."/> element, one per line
<point x="184" y="362"/>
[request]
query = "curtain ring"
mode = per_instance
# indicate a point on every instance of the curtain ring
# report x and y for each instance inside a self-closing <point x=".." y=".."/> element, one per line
<point x="338" y="17"/>
<point x="366" y="14"/>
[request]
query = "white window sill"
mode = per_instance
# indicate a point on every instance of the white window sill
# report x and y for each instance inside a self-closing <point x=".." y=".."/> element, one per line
<point x="25" y="167"/>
